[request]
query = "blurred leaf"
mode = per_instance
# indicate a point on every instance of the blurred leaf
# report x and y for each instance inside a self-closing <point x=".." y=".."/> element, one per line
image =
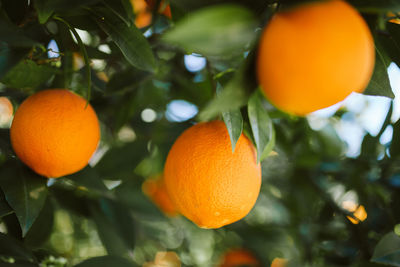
<point x="130" y="193"/>
<point x="214" y="31"/>
<point x="88" y="178"/>
<point x="134" y="46"/>
<point x="123" y="9"/>
<point x="106" y="261"/>
<point x="234" y="124"/>
<point x="10" y="57"/>
<point x="387" y="251"/>
<point x="28" y="74"/>
<point x="126" y="80"/>
<point x="14" y="248"/>
<point x="261" y="126"/>
<point x="14" y="36"/>
<point x="232" y="97"/>
<point x="115" y="227"/>
<point x="395" y="145"/>
<point x="120" y="162"/>
<point x="379" y="84"/>
<point x="5" y="209"/>
<point x="376" y="6"/>
<point x="44" y="9"/>
<point x="18" y="264"/>
<point x="71" y="199"/>
<point x="42" y="227"/>
<point x="25" y="191"/>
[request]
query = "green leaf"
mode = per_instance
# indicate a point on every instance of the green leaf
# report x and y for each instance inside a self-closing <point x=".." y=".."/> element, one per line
<point x="9" y="57"/>
<point x="25" y="191"/>
<point x="28" y="74"/>
<point x="214" y="31"/>
<point x="134" y="46"/>
<point x="5" y="209"/>
<point x="120" y="162"/>
<point x="123" y="9"/>
<point x="44" y="10"/>
<point x="126" y="80"/>
<point x="106" y="261"/>
<point x="88" y="178"/>
<point x="14" y="248"/>
<point x="376" y="6"/>
<point x="115" y="227"/>
<point x="234" y="124"/>
<point x="261" y="126"/>
<point x="14" y="36"/>
<point x="388" y="250"/>
<point x="380" y="84"/>
<point x="232" y="97"/>
<point x="41" y="230"/>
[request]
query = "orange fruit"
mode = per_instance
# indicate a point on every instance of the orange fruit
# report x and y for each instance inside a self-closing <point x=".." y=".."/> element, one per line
<point x="143" y="11"/>
<point x="279" y="262"/>
<point x="238" y="257"/>
<point x="208" y="183"/>
<point x="6" y="110"/>
<point x="55" y="133"/>
<point x="358" y="212"/>
<point x="156" y="191"/>
<point x="163" y="9"/>
<point x="314" y="56"/>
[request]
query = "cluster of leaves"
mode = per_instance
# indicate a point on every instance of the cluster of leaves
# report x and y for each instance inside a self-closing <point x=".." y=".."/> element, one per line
<point x="296" y="216"/>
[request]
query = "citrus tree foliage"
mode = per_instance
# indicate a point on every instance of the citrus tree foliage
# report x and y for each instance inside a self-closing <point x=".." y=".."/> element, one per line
<point x="100" y="216"/>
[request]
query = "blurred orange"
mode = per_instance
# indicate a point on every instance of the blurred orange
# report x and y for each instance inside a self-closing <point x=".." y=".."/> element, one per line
<point x="155" y="189"/>
<point x="143" y="11"/>
<point x="164" y="259"/>
<point x="394" y="17"/>
<point x="6" y="110"/>
<point x="239" y="257"/>
<point x="358" y="211"/>
<point x="279" y="262"/>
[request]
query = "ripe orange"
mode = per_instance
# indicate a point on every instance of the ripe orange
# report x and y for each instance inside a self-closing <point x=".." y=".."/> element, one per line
<point x="6" y="110"/>
<point x="208" y="183"/>
<point x="238" y="257"/>
<point x="156" y="191"/>
<point x="55" y="133"/>
<point x="314" y="56"/>
<point x="143" y="11"/>
<point x="279" y="262"/>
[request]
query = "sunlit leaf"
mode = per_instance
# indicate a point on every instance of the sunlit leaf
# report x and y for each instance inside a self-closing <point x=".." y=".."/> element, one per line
<point x="261" y="126"/>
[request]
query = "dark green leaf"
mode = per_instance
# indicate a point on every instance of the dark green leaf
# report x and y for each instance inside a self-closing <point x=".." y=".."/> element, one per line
<point x="376" y="6"/>
<point x="129" y="39"/>
<point x="44" y="9"/>
<point x="123" y="9"/>
<point x="261" y="126"/>
<point x="43" y="226"/>
<point x="120" y="162"/>
<point x="28" y="74"/>
<point x="234" y="124"/>
<point x="5" y="209"/>
<point x="88" y="178"/>
<point x="10" y="57"/>
<point x="25" y="191"/>
<point x="214" y="31"/>
<point x="13" y="248"/>
<point x="126" y="80"/>
<point x="232" y="97"/>
<point x="106" y="261"/>
<point x="115" y="227"/>
<point x="14" y="36"/>
<point x="380" y="84"/>
<point x="388" y="250"/>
